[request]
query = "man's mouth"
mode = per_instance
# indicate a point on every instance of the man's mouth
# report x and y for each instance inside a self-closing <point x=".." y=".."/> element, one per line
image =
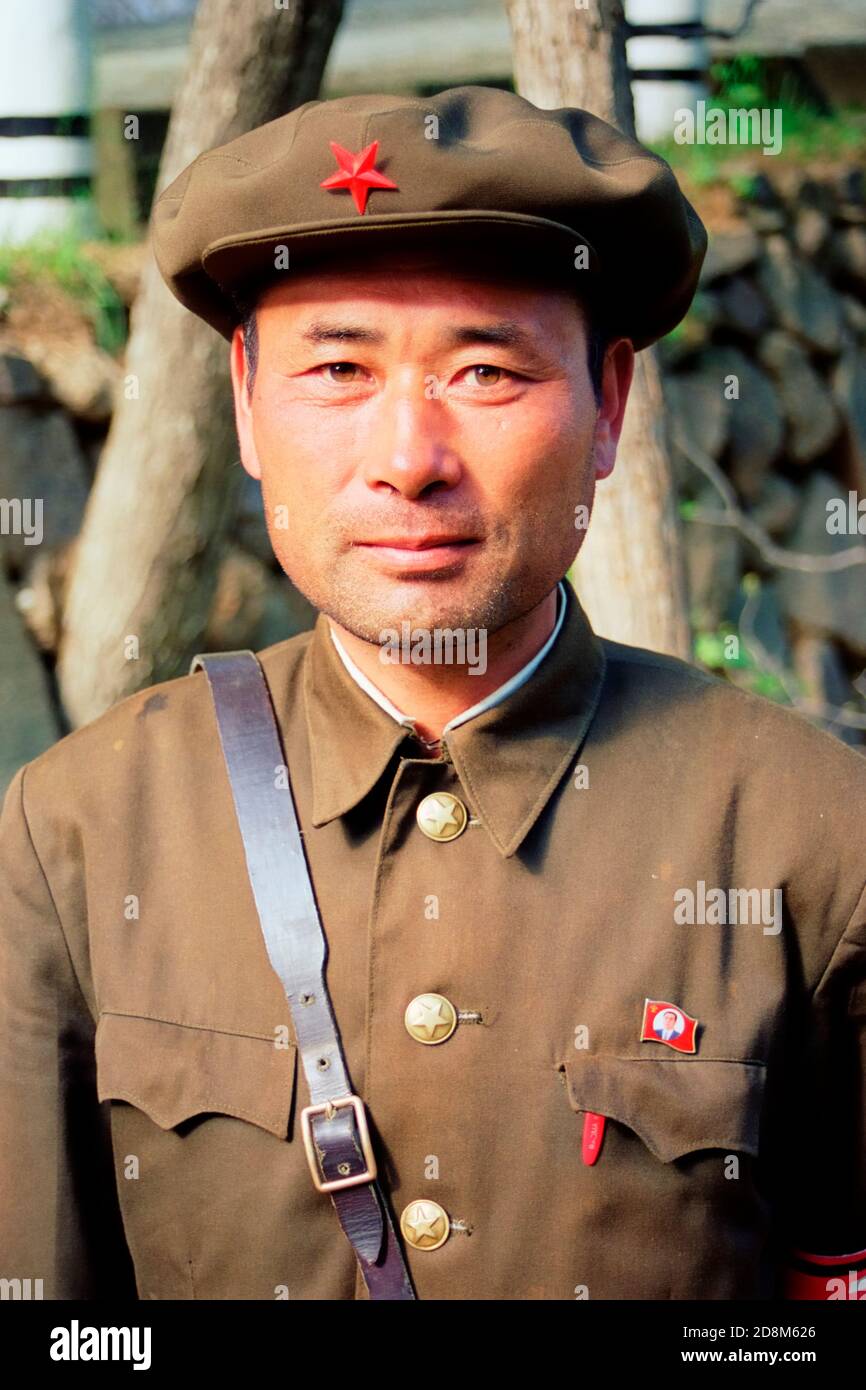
<point x="431" y="542"/>
<point x="435" y="551"/>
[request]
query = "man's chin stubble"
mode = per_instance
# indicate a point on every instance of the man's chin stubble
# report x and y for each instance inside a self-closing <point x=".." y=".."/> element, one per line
<point x="501" y="603"/>
<point x="369" y="610"/>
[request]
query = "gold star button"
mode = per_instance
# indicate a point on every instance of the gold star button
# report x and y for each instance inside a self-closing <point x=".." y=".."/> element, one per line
<point x="430" y="1018"/>
<point x="442" y="816"/>
<point x="425" y="1225"/>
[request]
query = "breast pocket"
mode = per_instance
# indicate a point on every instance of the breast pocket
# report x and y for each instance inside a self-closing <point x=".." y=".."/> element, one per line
<point x="196" y="1116"/>
<point x="675" y="1107"/>
<point x="173" y="1072"/>
<point x="672" y="1206"/>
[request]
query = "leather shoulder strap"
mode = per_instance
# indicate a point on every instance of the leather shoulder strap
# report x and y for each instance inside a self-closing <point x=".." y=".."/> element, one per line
<point x="334" y="1124"/>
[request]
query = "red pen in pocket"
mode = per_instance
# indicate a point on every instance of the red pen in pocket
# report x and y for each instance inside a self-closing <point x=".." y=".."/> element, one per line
<point x="593" y="1133"/>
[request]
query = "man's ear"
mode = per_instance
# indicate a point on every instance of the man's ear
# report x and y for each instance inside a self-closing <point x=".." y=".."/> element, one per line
<point x="243" y="407"/>
<point x="617" y="377"/>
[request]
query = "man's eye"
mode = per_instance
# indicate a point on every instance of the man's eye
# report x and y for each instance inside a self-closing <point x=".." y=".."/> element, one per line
<point x="342" y="372"/>
<point x="486" y="375"/>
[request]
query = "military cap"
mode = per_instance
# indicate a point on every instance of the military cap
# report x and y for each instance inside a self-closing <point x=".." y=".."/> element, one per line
<point x="478" y="168"/>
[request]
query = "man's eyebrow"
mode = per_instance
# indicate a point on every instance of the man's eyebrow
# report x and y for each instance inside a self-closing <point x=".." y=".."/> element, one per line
<point x="502" y="334"/>
<point x="322" y="331"/>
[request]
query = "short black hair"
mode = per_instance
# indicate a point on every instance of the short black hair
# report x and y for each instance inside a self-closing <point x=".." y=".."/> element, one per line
<point x="251" y="342"/>
<point x="596" y="336"/>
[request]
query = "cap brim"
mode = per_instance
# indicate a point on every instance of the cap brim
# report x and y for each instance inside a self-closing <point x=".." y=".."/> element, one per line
<point x="541" y="248"/>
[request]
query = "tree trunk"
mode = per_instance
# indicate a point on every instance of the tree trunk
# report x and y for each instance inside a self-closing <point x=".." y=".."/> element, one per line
<point x="165" y="490"/>
<point x="630" y="571"/>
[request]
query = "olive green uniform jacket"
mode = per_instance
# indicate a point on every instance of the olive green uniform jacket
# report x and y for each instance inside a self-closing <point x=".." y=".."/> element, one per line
<point x="149" y="1137"/>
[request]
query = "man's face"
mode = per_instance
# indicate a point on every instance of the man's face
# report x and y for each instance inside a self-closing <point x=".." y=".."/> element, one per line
<point x="669" y="1020"/>
<point x="423" y="438"/>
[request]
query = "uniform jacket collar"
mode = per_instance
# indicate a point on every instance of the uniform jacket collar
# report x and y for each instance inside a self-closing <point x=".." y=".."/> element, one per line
<point x="509" y="759"/>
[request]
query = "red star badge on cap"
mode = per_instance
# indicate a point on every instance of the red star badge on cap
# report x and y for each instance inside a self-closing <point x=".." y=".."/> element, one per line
<point x="356" y="173"/>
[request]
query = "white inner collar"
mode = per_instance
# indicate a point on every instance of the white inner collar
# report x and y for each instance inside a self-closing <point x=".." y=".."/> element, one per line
<point x="494" y="698"/>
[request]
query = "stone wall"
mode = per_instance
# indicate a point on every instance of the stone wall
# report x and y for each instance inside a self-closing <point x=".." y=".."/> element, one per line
<point x="766" y="385"/>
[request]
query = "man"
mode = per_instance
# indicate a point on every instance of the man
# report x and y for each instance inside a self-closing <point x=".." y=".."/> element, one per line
<point x="494" y="847"/>
<point x="669" y="1025"/>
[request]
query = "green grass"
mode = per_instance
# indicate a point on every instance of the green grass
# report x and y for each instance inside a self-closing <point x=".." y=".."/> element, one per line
<point x="829" y="138"/>
<point x="807" y="132"/>
<point x="61" y="261"/>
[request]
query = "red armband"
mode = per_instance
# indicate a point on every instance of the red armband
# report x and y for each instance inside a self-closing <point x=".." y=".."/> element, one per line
<point x="826" y="1277"/>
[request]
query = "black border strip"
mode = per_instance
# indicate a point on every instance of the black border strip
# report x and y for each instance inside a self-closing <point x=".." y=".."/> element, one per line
<point x="69" y="186"/>
<point x="667" y="74"/>
<point x="74" y="125"/>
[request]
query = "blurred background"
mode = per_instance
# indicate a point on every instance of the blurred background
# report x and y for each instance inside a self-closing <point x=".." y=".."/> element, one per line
<point x="149" y="544"/>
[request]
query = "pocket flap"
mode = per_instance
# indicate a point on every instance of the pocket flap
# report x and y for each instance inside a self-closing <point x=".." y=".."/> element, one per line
<point x="674" y="1106"/>
<point x="173" y="1071"/>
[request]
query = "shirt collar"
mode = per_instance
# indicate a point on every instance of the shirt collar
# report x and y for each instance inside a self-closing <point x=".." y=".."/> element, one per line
<point x="494" y="698"/>
<point x="509" y="755"/>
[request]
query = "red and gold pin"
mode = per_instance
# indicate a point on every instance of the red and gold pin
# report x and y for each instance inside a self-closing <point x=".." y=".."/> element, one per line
<point x="669" y="1024"/>
<point x="356" y="173"/>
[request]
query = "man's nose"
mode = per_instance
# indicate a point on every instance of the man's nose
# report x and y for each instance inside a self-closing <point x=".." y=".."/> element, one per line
<point x="410" y="451"/>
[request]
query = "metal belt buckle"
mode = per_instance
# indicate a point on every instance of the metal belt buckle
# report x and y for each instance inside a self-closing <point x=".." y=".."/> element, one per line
<point x="327" y="1108"/>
